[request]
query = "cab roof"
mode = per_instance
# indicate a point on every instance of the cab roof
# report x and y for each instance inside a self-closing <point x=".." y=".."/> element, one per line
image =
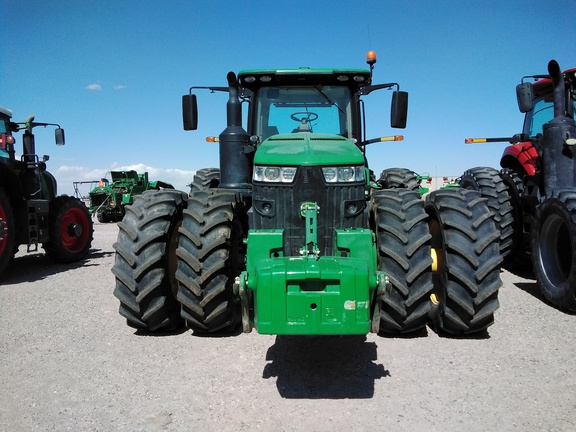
<point x="5" y="111"/>
<point x="303" y="76"/>
<point x="569" y="76"/>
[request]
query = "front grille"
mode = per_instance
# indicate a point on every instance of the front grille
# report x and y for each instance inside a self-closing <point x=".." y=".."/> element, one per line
<point x="278" y="207"/>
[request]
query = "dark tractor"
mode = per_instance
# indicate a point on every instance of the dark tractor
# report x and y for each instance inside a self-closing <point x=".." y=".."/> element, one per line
<point x="534" y="194"/>
<point x="31" y="212"/>
<point x="293" y="234"/>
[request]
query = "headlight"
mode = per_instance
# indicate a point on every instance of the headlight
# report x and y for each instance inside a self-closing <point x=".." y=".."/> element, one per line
<point x="348" y="174"/>
<point x="274" y="174"/>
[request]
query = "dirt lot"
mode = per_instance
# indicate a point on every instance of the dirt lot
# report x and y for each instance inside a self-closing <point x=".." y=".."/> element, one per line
<point x="69" y="362"/>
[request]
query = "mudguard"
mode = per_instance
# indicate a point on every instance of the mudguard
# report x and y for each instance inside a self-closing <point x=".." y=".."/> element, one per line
<point x="524" y="153"/>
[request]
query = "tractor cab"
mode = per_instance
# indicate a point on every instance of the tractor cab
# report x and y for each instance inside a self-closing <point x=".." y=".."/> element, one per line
<point x="537" y="101"/>
<point x="6" y="139"/>
<point x="325" y="101"/>
<point x="286" y="104"/>
<point x="303" y="100"/>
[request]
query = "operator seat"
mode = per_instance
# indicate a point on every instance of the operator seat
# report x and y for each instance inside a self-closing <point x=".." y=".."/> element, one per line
<point x="303" y="127"/>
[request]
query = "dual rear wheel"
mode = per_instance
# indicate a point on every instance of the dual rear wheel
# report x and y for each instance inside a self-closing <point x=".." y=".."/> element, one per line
<point x="442" y="260"/>
<point x="177" y="258"/>
<point x="550" y="227"/>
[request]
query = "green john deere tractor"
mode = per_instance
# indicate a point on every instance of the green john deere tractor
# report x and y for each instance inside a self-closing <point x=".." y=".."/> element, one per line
<point x="294" y="235"/>
<point x="108" y="199"/>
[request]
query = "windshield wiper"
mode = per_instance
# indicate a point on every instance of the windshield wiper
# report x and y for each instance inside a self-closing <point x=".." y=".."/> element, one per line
<point x="325" y="96"/>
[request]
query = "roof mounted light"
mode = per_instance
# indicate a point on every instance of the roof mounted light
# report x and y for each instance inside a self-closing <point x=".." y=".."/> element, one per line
<point x="249" y="79"/>
<point x="371" y="58"/>
<point x="265" y="78"/>
<point x="342" y="78"/>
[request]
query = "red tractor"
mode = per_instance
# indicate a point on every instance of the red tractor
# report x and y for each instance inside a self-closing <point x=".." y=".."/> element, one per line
<point x="533" y="196"/>
<point x="31" y="212"/>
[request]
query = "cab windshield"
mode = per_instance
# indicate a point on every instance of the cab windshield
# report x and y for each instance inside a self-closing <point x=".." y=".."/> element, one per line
<point x="542" y="113"/>
<point x="4" y="124"/>
<point x="4" y="121"/>
<point x="290" y="109"/>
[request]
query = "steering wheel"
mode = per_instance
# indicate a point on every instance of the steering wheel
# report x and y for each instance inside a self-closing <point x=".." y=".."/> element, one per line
<point x="308" y="116"/>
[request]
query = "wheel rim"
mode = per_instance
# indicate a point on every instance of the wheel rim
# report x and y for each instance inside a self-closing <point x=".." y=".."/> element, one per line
<point x="438" y="276"/>
<point x="556" y="250"/>
<point x="74" y="230"/>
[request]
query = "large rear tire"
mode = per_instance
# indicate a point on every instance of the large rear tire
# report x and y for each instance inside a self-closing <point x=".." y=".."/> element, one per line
<point x="70" y="230"/>
<point x="467" y="278"/>
<point x="7" y="231"/>
<point x="488" y="182"/>
<point x="211" y="255"/>
<point x="205" y="178"/>
<point x="554" y="249"/>
<point x="402" y="178"/>
<point x="145" y="261"/>
<point x="399" y="221"/>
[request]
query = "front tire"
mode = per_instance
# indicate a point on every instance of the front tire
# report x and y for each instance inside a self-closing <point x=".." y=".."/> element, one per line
<point x="70" y="230"/>
<point x="554" y="249"/>
<point x="7" y="231"/>
<point x="211" y="255"/>
<point x="399" y="221"/>
<point x="489" y="183"/>
<point x="145" y="260"/>
<point x="467" y="278"/>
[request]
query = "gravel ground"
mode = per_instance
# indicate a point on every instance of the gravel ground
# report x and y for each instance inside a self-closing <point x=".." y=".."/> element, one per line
<point x="69" y="362"/>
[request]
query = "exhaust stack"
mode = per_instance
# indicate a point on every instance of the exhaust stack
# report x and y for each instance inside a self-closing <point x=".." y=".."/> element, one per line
<point x="559" y="89"/>
<point x="559" y="137"/>
<point x="235" y="150"/>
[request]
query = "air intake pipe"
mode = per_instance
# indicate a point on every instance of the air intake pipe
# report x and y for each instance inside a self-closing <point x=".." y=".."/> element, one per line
<point x="235" y="150"/>
<point x="559" y="139"/>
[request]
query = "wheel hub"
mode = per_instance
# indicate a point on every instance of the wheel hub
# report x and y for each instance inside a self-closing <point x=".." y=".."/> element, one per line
<point x="2" y="229"/>
<point x="74" y="230"/>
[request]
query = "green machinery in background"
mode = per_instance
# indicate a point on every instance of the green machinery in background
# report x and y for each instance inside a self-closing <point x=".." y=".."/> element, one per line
<point x="108" y="199"/>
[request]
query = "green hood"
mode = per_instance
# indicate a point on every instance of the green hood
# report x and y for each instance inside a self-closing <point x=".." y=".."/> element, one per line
<point x="308" y="149"/>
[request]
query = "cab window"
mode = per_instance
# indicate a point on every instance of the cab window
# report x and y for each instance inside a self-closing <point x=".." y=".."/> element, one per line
<point x="318" y="109"/>
<point x="542" y="113"/>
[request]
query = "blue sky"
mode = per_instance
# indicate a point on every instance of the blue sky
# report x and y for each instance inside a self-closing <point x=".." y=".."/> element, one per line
<point x="112" y="73"/>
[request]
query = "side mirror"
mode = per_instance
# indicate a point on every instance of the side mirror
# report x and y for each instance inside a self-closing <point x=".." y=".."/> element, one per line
<point x="525" y="96"/>
<point x="190" y="112"/>
<point x="399" y="109"/>
<point x="59" y="136"/>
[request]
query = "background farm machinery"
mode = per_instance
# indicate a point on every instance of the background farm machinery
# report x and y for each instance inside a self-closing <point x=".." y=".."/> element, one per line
<point x="108" y="199"/>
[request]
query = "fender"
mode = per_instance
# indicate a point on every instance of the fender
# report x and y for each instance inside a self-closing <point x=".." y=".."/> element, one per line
<point x="523" y="153"/>
<point x="10" y="182"/>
